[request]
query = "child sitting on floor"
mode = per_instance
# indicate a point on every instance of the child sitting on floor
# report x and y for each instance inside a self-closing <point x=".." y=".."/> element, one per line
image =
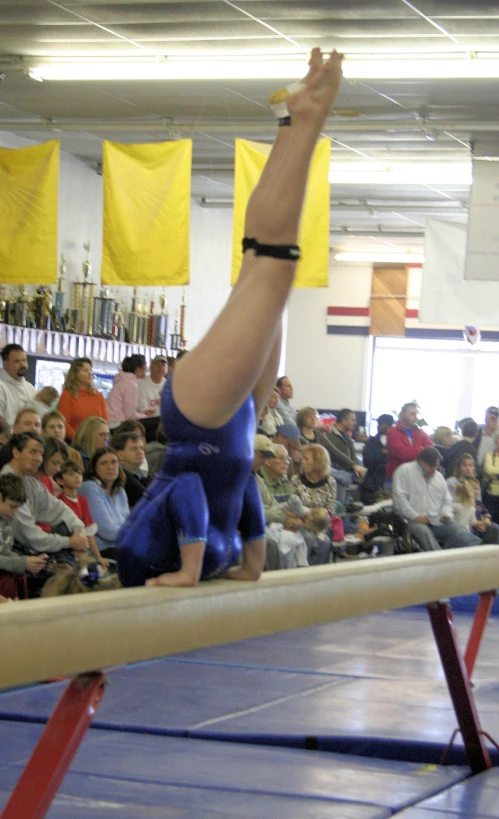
<point x="13" y="565"/>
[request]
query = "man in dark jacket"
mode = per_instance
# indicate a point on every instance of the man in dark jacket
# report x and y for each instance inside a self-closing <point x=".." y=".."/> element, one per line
<point x="374" y="457"/>
<point x="340" y="436"/>
<point x="130" y="450"/>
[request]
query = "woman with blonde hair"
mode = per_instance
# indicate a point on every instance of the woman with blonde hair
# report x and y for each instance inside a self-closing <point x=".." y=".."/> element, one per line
<point x="80" y="399"/>
<point x="468" y="507"/>
<point x="315" y="486"/>
<point x="490" y="480"/>
<point x="93" y="434"/>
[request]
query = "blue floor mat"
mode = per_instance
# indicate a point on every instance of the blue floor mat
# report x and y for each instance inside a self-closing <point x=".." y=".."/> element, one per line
<point x="369" y="686"/>
<point x="170" y="696"/>
<point x="477" y="798"/>
<point x="156" y="763"/>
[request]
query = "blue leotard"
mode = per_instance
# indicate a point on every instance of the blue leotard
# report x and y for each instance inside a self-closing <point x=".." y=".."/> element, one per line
<point x="204" y="491"/>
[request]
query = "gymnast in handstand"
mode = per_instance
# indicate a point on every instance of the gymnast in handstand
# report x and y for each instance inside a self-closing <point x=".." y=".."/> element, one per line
<point x="202" y="516"/>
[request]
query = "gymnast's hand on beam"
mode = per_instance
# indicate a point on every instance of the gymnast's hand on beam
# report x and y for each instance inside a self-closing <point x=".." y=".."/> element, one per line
<point x="253" y="562"/>
<point x="241" y="573"/>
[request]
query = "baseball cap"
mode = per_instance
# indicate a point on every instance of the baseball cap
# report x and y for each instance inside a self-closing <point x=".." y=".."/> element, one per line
<point x="158" y="358"/>
<point x="289" y="430"/>
<point x="263" y="446"/>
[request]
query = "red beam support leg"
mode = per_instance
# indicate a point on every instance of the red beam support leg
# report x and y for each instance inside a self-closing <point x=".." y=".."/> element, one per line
<point x="459" y="686"/>
<point x="45" y="770"/>
<point x="482" y="615"/>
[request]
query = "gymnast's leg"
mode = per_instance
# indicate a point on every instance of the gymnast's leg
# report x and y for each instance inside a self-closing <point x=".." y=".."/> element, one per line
<point x="212" y="382"/>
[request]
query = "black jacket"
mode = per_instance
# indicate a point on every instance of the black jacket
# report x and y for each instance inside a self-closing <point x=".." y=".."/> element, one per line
<point x="374" y="457"/>
<point x="134" y="486"/>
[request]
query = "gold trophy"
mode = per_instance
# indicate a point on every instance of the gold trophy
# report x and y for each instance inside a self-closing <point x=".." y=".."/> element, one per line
<point x="3" y="304"/>
<point x="133" y="318"/>
<point x="58" y="309"/>
<point x="183" y="307"/>
<point x="161" y="334"/>
<point x="83" y="299"/>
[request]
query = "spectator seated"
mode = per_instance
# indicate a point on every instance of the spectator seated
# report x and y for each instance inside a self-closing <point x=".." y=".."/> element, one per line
<point x="315" y="487"/>
<point x="103" y="488"/>
<point x="275" y="474"/>
<point x="421" y="496"/>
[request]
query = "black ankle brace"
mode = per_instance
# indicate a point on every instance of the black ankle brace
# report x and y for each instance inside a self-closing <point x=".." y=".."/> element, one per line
<point x="284" y="121"/>
<point x="249" y="244"/>
<point x="291" y="252"/>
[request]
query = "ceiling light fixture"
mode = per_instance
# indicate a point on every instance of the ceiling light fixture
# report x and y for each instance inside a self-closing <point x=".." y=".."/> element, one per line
<point x="369" y="256"/>
<point x="399" y="173"/>
<point x="255" y="67"/>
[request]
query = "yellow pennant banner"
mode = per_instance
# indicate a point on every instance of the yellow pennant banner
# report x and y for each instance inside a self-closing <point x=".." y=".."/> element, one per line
<point x="313" y="268"/>
<point x="147" y="194"/>
<point x="29" y="191"/>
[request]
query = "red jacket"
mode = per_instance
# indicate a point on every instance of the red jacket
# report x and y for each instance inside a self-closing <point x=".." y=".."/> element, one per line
<point x="400" y="449"/>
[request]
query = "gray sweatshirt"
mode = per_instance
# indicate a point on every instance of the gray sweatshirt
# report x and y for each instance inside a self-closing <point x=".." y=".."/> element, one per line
<point x="10" y="561"/>
<point x="41" y="507"/>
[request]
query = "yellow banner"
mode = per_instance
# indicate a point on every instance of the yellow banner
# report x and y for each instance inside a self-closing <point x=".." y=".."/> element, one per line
<point x="29" y="190"/>
<point x="313" y="268"/>
<point x="147" y="195"/>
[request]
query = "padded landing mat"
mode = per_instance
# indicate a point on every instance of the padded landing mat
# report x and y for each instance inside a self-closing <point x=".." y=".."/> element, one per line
<point x="204" y="776"/>
<point x="170" y="696"/>
<point x="477" y="798"/>
<point x="417" y="710"/>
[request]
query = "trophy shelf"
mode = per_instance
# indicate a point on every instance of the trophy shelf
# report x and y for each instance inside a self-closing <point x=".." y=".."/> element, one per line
<point x="52" y="344"/>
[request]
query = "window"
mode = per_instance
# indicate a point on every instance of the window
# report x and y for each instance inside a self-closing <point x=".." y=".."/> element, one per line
<point x="448" y="378"/>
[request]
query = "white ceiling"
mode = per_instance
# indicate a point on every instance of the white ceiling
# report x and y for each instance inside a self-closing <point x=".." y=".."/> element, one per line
<point x="379" y="122"/>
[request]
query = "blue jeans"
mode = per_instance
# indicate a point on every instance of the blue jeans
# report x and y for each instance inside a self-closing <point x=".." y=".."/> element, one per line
<point x="452" y="534"/>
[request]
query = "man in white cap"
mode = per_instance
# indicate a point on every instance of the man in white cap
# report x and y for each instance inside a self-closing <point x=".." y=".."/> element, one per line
<point x="151" y="386"/>
<point x="262" y="451"/>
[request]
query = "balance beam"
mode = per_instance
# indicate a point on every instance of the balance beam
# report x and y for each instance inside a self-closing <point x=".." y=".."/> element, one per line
<point x="43" y="639"/>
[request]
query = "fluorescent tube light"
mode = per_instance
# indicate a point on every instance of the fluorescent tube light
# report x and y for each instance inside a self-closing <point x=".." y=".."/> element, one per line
<point x="399" y="173"/>
<point x="423" y="68"/>
<point x="369" y="256"/>
<point x="256" y="67"/>
<point x="170" y="69"/>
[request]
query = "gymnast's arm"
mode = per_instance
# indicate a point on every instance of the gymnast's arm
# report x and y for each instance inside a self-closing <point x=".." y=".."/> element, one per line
<point x="252" y="529"/>
<point x="189" y="511"/>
